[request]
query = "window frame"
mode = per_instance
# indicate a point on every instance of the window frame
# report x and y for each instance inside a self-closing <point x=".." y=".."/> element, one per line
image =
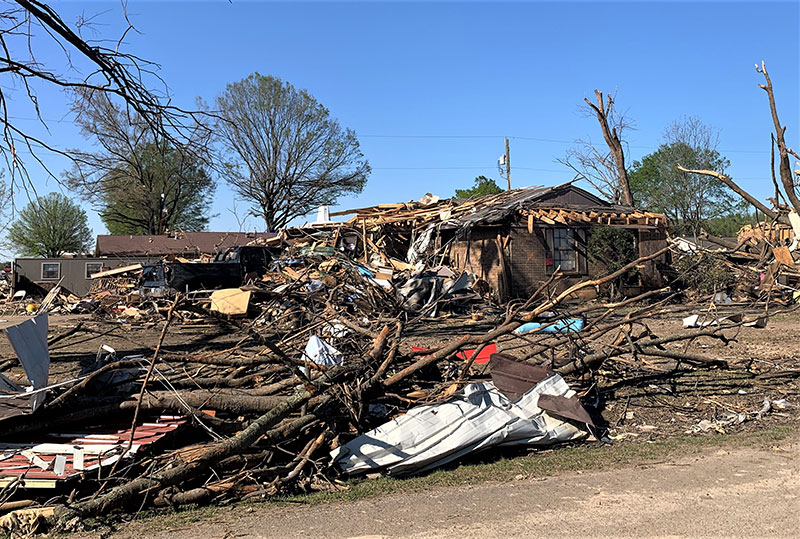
<point x="86" y="268"/>
<point x="576" y="250"/>
<point x="58" y="272"/>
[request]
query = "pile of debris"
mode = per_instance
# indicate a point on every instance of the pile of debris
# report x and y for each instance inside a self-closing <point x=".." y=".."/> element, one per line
<point x="329" y="374"/>
<point x="760" y="264"/>
<point x="323" y="381"/>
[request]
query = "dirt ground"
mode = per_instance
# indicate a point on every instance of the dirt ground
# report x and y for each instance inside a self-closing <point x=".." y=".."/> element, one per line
<point x="745" y="492"/>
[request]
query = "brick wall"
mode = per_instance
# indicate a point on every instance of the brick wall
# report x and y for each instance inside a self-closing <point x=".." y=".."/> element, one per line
<point x="526" y="260"/>
<point x="652" y="241"/>
<point x="525" y="256"/>
<point x="478" y="255"/>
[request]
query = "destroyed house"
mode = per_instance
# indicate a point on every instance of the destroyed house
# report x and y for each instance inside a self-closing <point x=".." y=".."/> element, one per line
<point x="514" y="240"/>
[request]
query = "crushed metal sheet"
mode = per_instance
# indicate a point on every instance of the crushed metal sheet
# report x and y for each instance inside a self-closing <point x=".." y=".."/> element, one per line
<point x="42" y="465"/>
<point x="29" y="341"/>
<point x="431" y="436"/>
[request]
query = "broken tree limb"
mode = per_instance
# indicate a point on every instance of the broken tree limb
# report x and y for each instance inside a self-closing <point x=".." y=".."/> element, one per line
<point x="738" y="190"/>
<point x="151" y="367"/>
<point x="504" y="329"/>
<point x="122" y="495"/>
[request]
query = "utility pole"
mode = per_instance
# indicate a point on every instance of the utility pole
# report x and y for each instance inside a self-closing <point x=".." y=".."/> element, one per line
<point x="508" y="165"/>
<point x="505" y="159"/>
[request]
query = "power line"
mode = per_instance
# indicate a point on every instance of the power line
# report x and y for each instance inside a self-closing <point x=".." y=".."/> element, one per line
<point x="533" y="139"/>
<point x="434" y="168"/>
<point x="372" y="135"/>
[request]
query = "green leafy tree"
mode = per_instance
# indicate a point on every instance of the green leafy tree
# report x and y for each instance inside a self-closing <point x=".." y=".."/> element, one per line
<point x="288" y="155"/>
<point x="688" y="200"/>
<point x="483" y="186"/>
<point x="139" y="182"/>
<point x="729" y="224"/>
<point x="175" y="194"/>
<point x="49" y="227"/>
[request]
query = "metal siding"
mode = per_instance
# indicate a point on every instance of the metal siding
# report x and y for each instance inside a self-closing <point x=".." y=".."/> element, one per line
<point x="73" y="271"/>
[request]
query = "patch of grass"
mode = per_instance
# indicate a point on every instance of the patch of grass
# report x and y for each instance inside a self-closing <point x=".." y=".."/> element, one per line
<point x="544" y="464"/>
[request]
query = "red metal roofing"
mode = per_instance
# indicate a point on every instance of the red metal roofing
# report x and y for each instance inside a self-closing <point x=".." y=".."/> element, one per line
<point x="13" y="463"/>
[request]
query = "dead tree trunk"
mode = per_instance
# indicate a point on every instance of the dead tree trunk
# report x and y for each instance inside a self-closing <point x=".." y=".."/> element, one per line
<point x="784" y="168"/>
<point x="613" y="141"/>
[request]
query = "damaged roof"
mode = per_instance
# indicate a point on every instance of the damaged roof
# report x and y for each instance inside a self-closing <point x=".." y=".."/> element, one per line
<point x="494" y="209"/>
<point x="195" y="243"/>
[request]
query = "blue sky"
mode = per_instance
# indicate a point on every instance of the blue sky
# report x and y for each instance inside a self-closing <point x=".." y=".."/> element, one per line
<point x="431" y="89"/>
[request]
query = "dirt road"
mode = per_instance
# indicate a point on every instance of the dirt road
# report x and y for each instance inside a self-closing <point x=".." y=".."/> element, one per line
<point x="748" y="492"/>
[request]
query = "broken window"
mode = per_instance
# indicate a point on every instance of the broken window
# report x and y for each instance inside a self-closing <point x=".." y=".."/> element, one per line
<point x="92" y="268"/>
<point x="51" y="270"/>
<point x="569" y="250"/>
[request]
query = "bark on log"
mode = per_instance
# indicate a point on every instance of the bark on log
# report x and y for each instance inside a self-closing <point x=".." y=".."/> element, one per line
<point x="120" y="496"/>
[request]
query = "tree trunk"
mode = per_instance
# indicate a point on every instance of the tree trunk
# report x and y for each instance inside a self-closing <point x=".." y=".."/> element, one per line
<point x="614" y="144"/>
<point x="784" y="168"/>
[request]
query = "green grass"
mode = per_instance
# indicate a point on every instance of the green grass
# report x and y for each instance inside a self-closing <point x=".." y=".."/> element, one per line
<point x="543" y="464"/>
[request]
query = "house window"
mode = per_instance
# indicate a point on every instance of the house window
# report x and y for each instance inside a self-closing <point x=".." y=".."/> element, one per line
<point x="564" y="252"/>
<point x="93" y="267"/>
<point x="569" y="251"/>
<point x="51" y="270"/>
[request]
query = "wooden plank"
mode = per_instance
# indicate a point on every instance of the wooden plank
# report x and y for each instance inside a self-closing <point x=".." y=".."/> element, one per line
<point x="116" y="271"/>
<point x="28" y="483"/>
<point x="547" y="220"/>
<point x="783" y="256"/>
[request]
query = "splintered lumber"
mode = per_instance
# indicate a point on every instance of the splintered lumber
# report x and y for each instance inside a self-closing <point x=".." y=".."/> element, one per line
<point x="230" y="301"/>
<point x="783" y="256"/>
<point x="116" y="271"/>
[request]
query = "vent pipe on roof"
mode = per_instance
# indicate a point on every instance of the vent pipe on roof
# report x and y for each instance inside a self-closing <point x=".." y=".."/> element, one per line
<point x="323" y="215"/>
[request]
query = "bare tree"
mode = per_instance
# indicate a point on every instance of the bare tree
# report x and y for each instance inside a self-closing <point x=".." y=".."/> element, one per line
<point x="289" y="155"/>
<point x="788" y="183"/>
<point x="139" y="182"/>
<point x="603" y="168"/>
<point x="30" y="27"/>
<point x="784" y="168"/>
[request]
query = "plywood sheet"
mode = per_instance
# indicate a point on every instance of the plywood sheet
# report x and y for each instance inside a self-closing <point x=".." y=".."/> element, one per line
<point x="230" y="301"/>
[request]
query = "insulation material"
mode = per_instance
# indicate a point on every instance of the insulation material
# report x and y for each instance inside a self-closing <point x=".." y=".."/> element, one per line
<point x="431" y="436"/>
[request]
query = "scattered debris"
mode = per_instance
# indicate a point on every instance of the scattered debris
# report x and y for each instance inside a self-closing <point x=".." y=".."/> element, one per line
<point x="373" y="345"/>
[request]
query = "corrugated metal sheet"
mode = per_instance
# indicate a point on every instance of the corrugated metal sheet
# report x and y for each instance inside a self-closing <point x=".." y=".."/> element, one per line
<point x="432" y="435"/>
<point x="66" y="455"/>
